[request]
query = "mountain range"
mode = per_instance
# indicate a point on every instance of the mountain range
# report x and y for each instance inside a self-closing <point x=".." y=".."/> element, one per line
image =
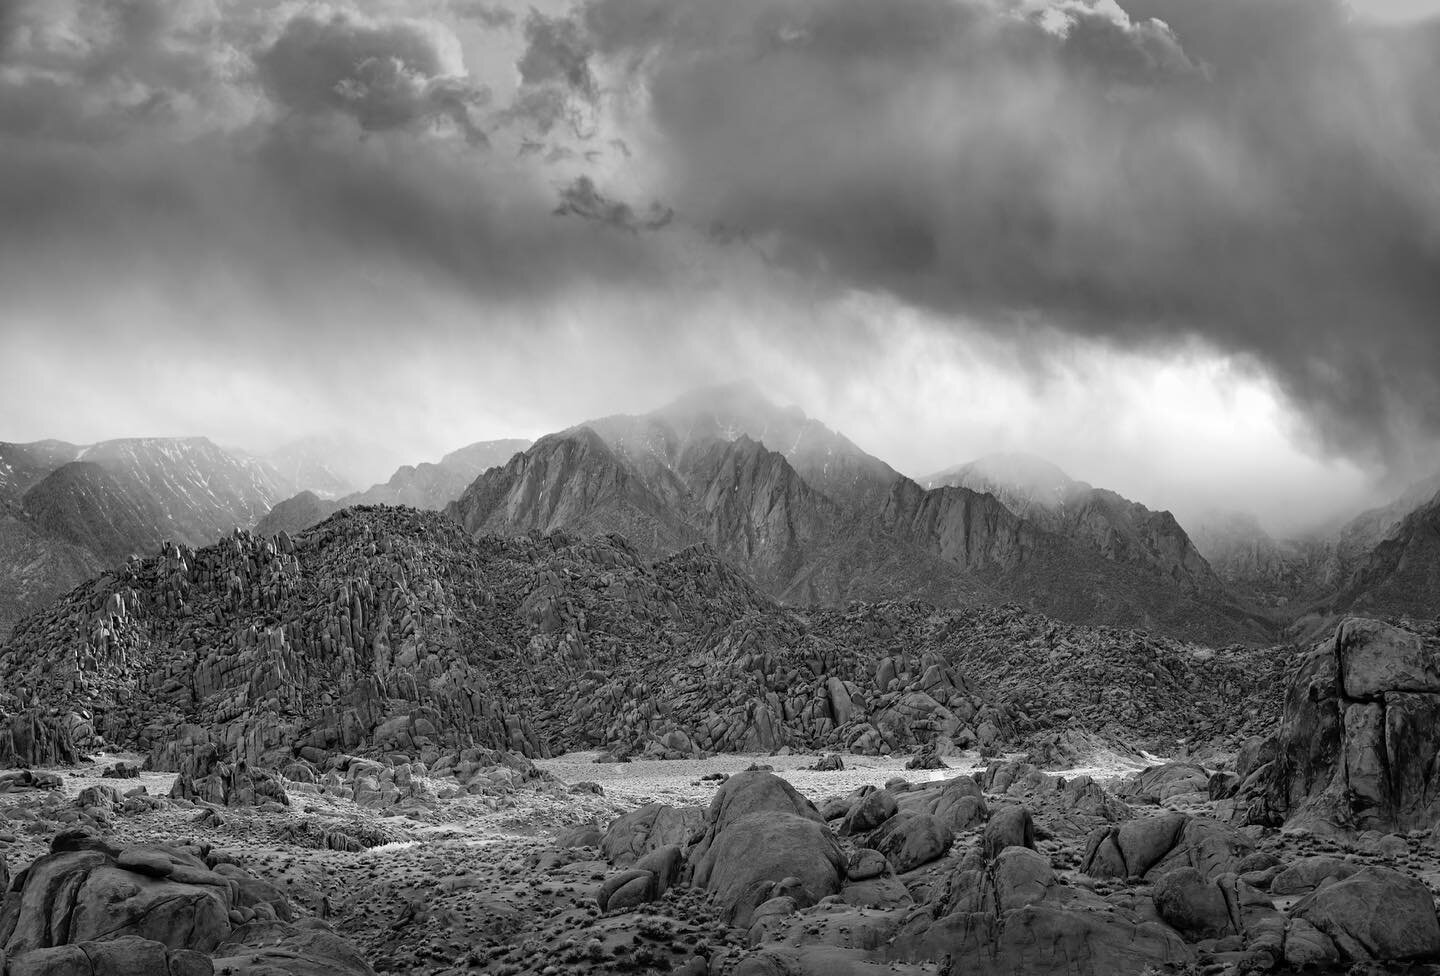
<point x="813" y="519"/>
<point x="806" y="514"/>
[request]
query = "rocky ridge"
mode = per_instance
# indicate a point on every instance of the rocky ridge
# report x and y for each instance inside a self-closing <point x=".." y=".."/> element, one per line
<point x="1121" y="530"/>
<point x="385" y="630"/>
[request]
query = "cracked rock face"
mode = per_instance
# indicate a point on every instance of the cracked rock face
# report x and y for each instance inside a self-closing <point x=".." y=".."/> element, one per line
<point x="1359" y="744"/>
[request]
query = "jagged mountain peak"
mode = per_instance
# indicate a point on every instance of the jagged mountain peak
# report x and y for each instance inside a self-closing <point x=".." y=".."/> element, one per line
<point x="1121" y="530"/>
<point x="828" y="461"/>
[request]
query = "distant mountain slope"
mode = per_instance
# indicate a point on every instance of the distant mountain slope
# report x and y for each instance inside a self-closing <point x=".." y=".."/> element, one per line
<point x="326" y="465"/>
<point x="1278" y="573"/>
<point x="693" y="471"/>
<point x="73" y="508"/>
<point x="109" y="513"/>
<point x="35" y="568"/>
<point x="297" y="513"/>
<point x="424" y="486"/>
<point x="433" y="486"/>
<point x="22" y="465"/>
<point x="1399" y="577"/>
<point x="1311" y="570"/>
<point x="203" y="491"/>
<point x="1119" y="529"/>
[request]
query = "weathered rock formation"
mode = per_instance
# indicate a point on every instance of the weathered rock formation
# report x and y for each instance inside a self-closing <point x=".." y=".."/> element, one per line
<point x="1358" y="744"/>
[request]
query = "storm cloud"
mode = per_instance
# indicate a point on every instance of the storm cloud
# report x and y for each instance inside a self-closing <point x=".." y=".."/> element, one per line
<point x="1258" y="174"/>
<point x="723" y="183"/>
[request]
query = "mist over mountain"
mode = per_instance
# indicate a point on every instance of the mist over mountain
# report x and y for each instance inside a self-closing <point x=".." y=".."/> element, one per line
<point x="928" y="239"/>
<point x="1121" y="530"/>
<point x="798" y="507"/>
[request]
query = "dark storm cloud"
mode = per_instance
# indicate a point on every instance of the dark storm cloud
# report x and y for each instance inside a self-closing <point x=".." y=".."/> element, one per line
<point x="388" y="75"/>
<point x="152" y="141"/>
<point x="582" y="199"/>
<point x="556" y="51"/>
<point x="1261" y="174"/>
<point x="1258" y="174"/>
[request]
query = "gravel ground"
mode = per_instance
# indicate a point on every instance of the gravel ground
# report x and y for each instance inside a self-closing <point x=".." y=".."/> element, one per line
<point x="678" y="782"/>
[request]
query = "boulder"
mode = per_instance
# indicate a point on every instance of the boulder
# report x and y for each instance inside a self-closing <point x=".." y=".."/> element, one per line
<point x="1157" y="784"/>
<point x="651" y="876"/>
<point x="1307" y="873"/>
<point x="868" y="813"/>
<point x="104" y="797"/>
<point x="1192" y="905"/>
<point x="909" y="840"/>
<point x="84" y="895"/>
<point x="32" y="737"/>
<point x="90" y="909"/>
<point x="1358" y="736"/>
<point x="960" y="804"/>
<point x="1071" y="933"/>
<point x="749" y="855"/>
<point x="1009" y="827"/>
<point x="1375" y="914"/>
<point x="926" y="758"/>
<point x="1018" y="877"/>
<point x="651" y="827"/>
<point x="1150" y="847"/>
<point x="754" y="791"/>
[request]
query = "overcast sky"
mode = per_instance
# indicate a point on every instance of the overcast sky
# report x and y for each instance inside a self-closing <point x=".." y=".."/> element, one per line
<point x="1188" y="250"/>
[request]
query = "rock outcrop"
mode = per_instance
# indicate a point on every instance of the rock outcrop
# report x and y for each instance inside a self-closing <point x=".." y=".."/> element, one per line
<point x="1361" y="729"/>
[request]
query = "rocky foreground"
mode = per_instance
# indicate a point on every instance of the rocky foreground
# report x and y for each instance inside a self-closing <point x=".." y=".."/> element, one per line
<point x="359" y="750"/>
<point x="1312" y="848"/>
<point x="1000" y="870"/>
